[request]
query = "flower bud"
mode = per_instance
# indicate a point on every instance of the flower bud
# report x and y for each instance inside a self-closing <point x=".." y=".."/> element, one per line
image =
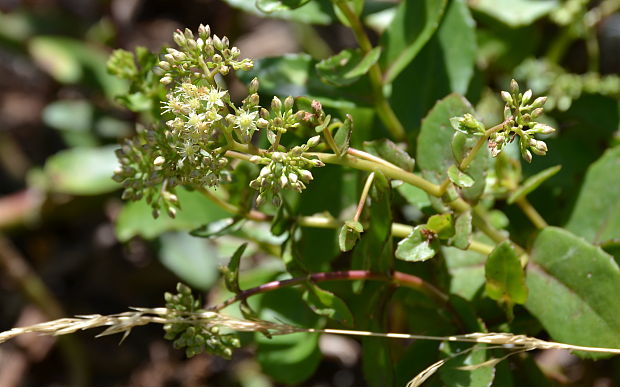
<point x="514" y="87"/>
<point x="255" y="159"/>
<point x="164" y="65"/>
<point x="543" y="128"/>
<point x="166" y="80"/>
<point x="292" y="177"/>
<point x="235" y="52"/>
<point x="305" y="175"/>
<point x="224" y="70"/>
<point x="225" y="42"/>
<point x="217" y="43"/>
<point x="313" y="141"/>
<point x="506" y="97"/>
<point x="276" y="201"/>
<point x="283" y="181"/>
<point x="537" y="112"/>
<point x="159" y="161"/>
<point x="189" y="34"/>
<point x="260" y="199"/>
<point x="217" y="58"/>
<point x="253" y="88"/>
<point x="178" y="38"/>
<point x="539" y="102"/>
<point x="526" y="97"/>
<point x="288" y="103"/>
<point x="172" y="212"/>
<point x="262" y="123"/>
<point x="276" y="104"/>
<point x="277" y="156"/>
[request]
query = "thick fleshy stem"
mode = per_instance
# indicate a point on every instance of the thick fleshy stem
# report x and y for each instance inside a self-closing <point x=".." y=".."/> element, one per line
<point x="397" y="278"/>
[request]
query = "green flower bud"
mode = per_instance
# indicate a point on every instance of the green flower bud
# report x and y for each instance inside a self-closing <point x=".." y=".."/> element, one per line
<point x="506" y="97"/>
<point x="276" y="104"/>
<point x="217" y="43"/>
<point x="288" y="103"/>
<point x="253" y="88"/>
<point x="514" y="87"/>
<point x="539" y="102"/>
<point x="204" y="31"/>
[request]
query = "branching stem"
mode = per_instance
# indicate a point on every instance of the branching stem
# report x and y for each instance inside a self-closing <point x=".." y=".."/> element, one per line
<point x="531" y="213"/>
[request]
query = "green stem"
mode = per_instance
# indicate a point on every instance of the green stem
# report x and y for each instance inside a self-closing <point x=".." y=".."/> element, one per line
<point x="382" y="106"/>
<point x="531" y="213"/>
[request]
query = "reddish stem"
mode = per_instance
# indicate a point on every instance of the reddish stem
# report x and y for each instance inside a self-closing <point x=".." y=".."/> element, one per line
<point x="398" y="278"/>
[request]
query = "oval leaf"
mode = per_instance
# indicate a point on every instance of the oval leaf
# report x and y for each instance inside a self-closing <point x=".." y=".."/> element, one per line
<point x="505" y="279"/>
<point x="574" y="289"/>
<point x="415" y="248"/>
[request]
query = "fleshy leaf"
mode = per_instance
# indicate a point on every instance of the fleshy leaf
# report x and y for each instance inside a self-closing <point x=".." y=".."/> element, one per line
<point x="505" y="279"/>
<point x="347" y="66"/>
<point x="459" y="177"/>
<point x="515" y="13"/>
<point x="532" y="182"/>
<point x="416" y="247"/>
<point x="441" y="225"/>
<point x="403" y="40"/>
<point x="389" y="151"/>
<point x="574" y="289"/>
<point x="462" y="230"/>
<point x="325" y="303"/>
<point x="596" y="214"/>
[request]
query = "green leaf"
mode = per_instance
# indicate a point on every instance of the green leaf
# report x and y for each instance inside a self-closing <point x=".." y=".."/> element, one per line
<point x="389" y="151"/>
<point x="459" y="177"/>
<point x="596" y="214"/>
<point x="462" y="233"/>
<point x="532" y="182"/>
<point x="441" y="225"/>
<point x="451" y="372"/>
<point x="434" y="154"/>
<point x="349" y="234"/>
<point x="192" y="259"/>
<point x="290" y="358"/>
<point x="466" y="270"/>
<point x="70" y="61"/>
<point x="505" y="279"/>
<point x="457" y="35"/>
<point x="414" y="195"/>
<point x="347" y="66"/>
<point x="135" y="218"/>
<point x="82" y="171"/>
<point x="515" y="13"/>
<point x="219" y="227"/>
<point x="325" y="303"/>
<point x="416" y="247"/>
<point x="574" y="289"/>
<point x="231" y="272"/>
<point x="269" y="6"/>
<point x="343" y="136"/>
<point x="313" y="12"/>
<point x="403" y="40"/>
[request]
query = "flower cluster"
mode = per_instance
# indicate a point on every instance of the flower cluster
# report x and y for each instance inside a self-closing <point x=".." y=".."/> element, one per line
<point x="195" y="337"/>
<point x="520" y="114"/>
<point x="202" y="57"/>
<point x="290" y="170"/>
<point x="202" y="125"/>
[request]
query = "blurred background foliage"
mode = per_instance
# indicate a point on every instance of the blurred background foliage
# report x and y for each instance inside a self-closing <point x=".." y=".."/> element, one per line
<point x="68" y="245"/>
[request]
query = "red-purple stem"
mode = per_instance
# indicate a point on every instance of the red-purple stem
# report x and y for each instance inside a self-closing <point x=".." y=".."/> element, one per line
<point x="398" y="278"/>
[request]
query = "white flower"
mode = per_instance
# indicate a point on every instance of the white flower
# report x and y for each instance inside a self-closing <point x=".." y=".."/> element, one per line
<point x="214" y="97"/>
<point x="246" y="123"/>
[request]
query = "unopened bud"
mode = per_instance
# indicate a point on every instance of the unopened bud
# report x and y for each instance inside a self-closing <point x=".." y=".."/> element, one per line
<point x="217" y="58"/>
<point x="526" y="97"/>
<point x="276" y="104"/>
<point x="164" y="65"/>
<point x="514" y="86"/>
<point x="283" y="181"/>
<point x="262" y="123"/>
<point x="539" y="102"/>
<point x="537" y="112"/>
<point x="543" y="128"/>
<point x="204" y="31"/>
<point x="179" y="38"/>
<point x="225" y="42"/>
<point x="292" y="177"/>
<point x="253" y="88"/>
<point x="224" y="70"/>
<point x="255" y="159"/>
<point x="288" y="103"/>
<point x="305" y="175"/>
<point x="189" y="34"/>
<point x="313" y="141"/>
<point x="159" y="161"/>
<point x="217" y="42"/>
<point x="235" y="52"/>
<point x="506" y="97"/>
<point x="166" y="80"/>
